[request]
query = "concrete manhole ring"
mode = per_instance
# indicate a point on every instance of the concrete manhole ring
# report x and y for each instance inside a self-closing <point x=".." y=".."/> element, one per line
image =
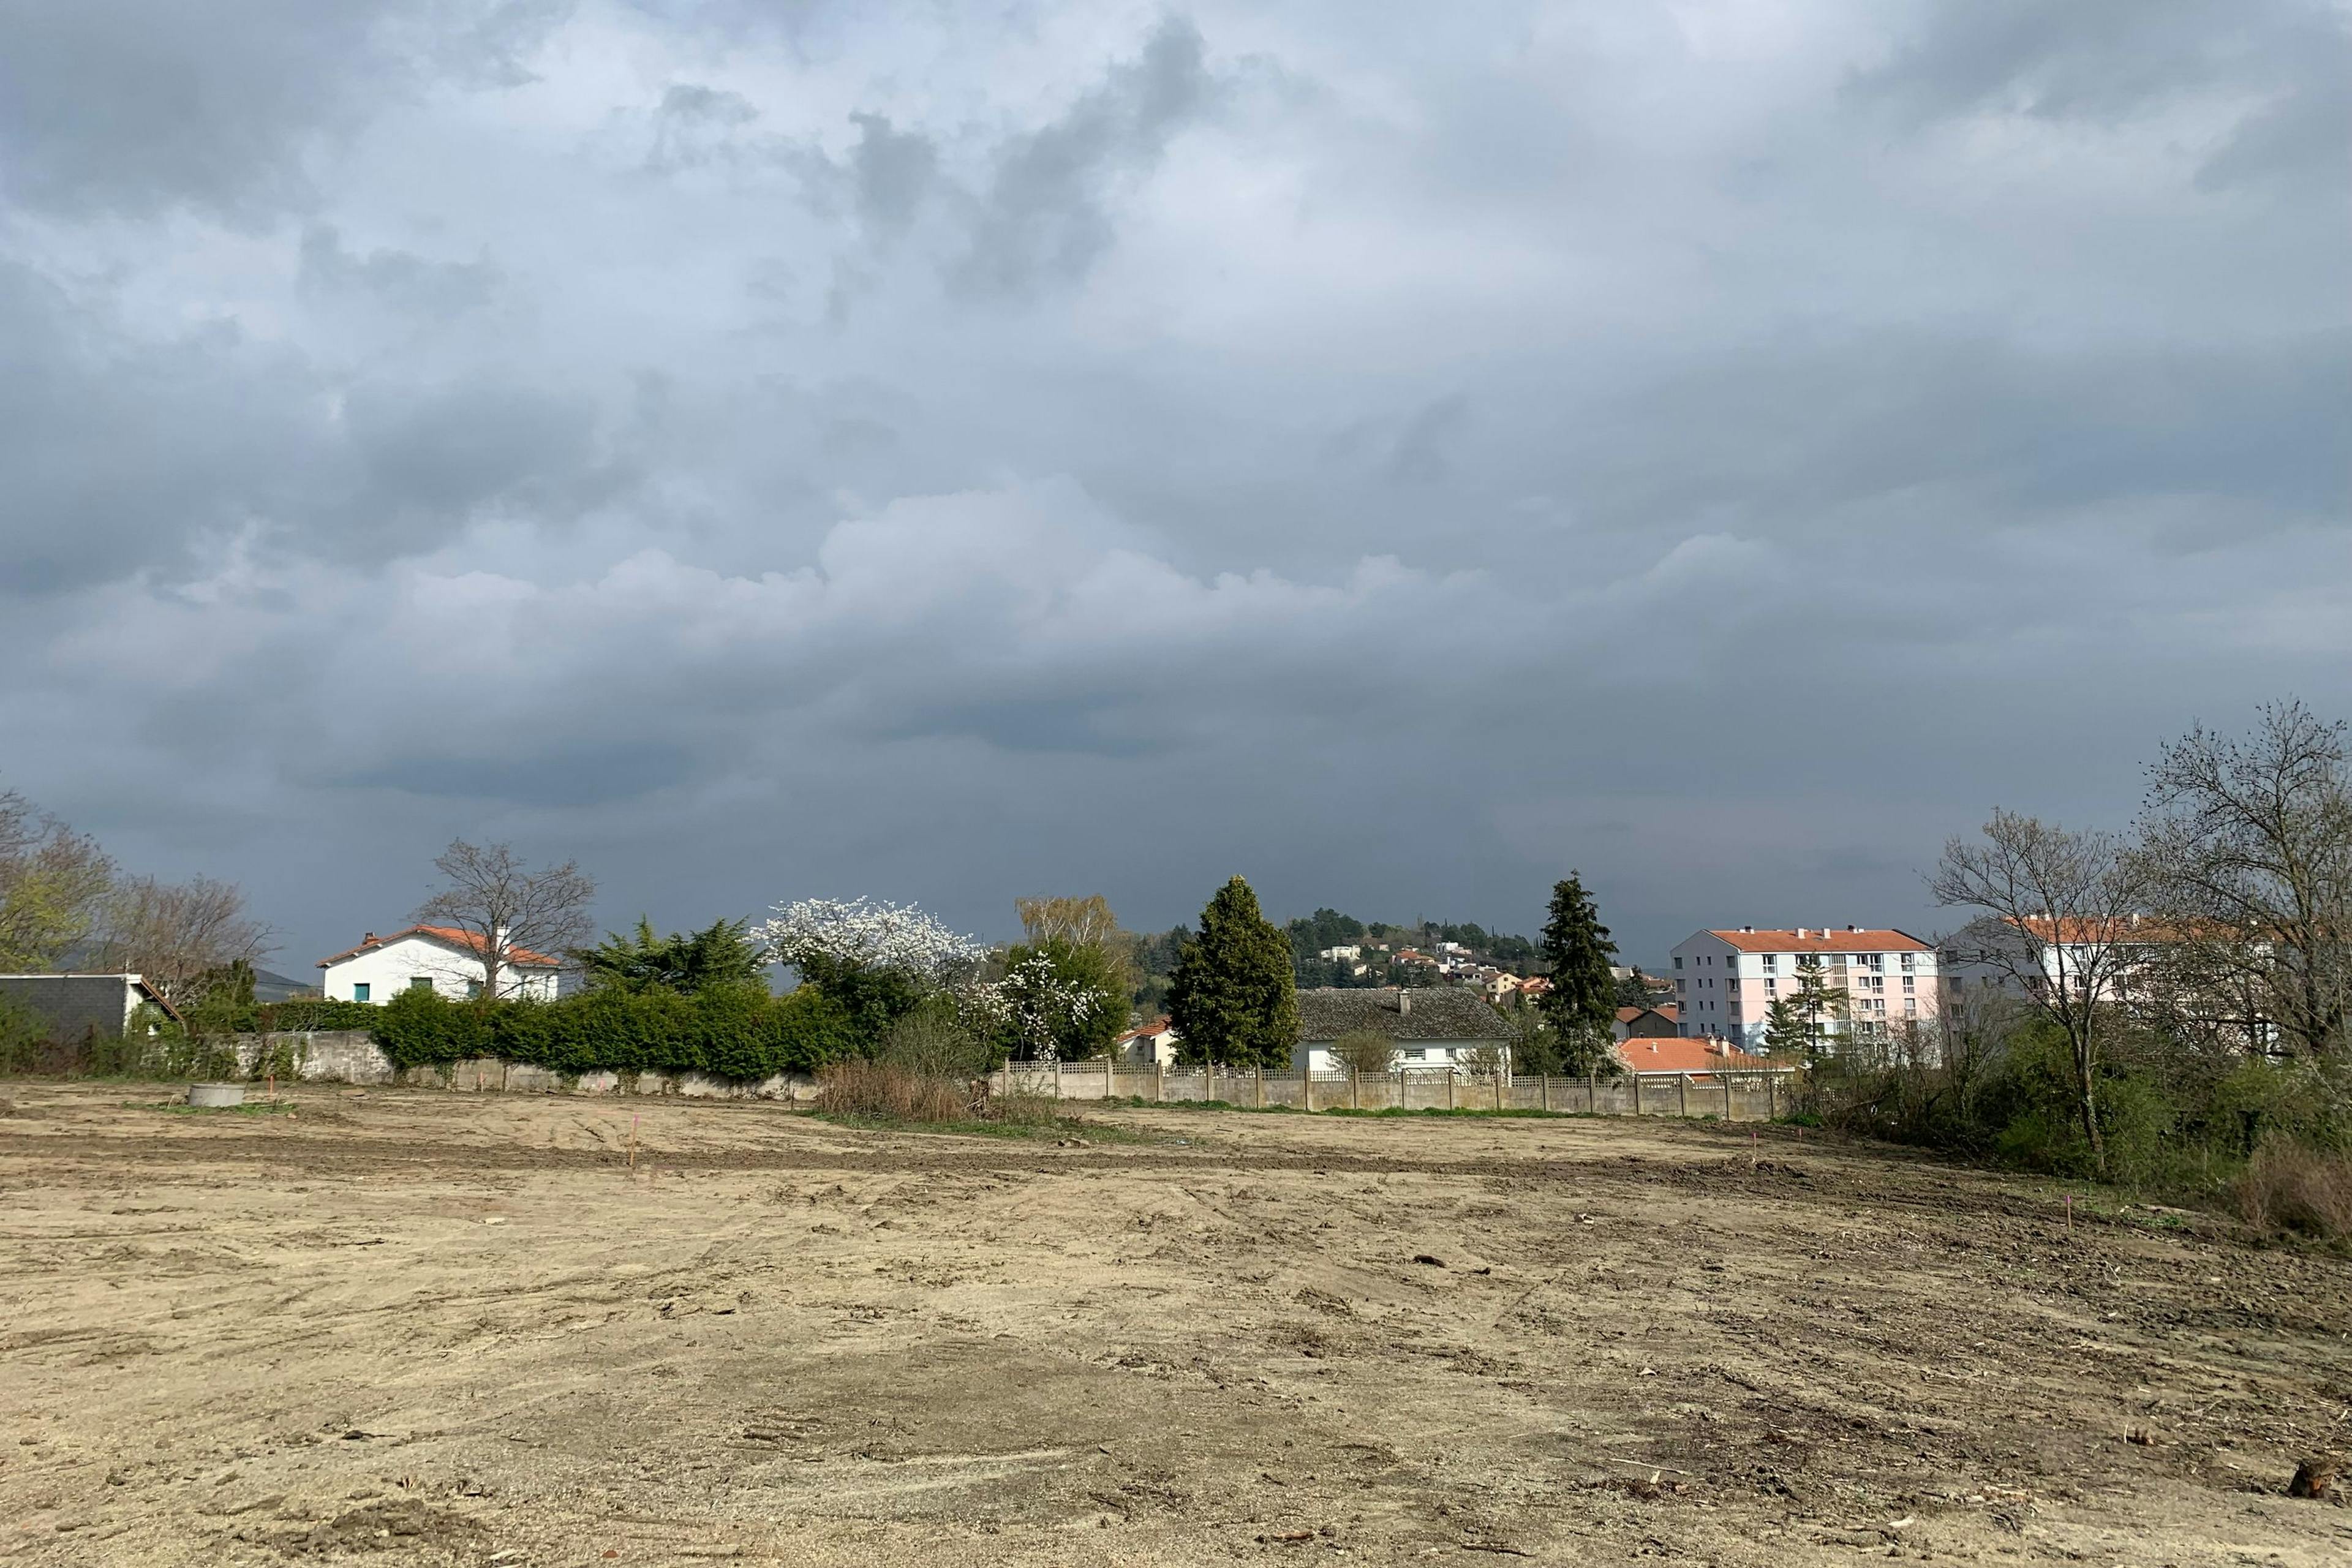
<point x="216" y="1096"/>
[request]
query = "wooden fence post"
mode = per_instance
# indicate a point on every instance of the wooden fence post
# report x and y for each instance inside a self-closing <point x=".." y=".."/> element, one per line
<point x="1159" y="1081"/>
<point x="1057" y="1077"/>
<point x="1502" y="1085"/>
<point x="1400" y="1089"/>
<point x="1681" y="1094"/>
<point x="1449" y="1087"/>
<point x="1637" y="1091"/>
<point x="1728" y="1114"/>
<point x="1543" y="1091"/>
<point x="1257" y="1085"/>
<point x="1772" y="1097"/>
<point x="1307" y="1083"/>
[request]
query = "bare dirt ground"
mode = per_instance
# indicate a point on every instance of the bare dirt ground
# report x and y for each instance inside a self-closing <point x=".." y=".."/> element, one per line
<point x="410" y="1327"/>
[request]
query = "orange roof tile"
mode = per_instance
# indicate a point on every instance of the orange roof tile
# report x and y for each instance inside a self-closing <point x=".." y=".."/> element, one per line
<point x="1676" y="1053"/>
<point x="449" y="936"/>
<point x="1814" y="939"/>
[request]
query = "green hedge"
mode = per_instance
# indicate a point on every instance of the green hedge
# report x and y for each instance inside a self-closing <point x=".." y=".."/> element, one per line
<point x="733" y="1031"/>
<point x="234" y="1016"/>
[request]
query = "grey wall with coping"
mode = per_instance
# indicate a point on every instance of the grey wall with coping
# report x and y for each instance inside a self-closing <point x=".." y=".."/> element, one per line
<point x="1754" y="1095"/>
<point x="351" y="1056"/>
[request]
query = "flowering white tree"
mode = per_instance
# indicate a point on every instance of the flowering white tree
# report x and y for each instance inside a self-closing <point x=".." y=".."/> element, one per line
<point x="864" y="934"/>
<point x="1043" y="1007"/>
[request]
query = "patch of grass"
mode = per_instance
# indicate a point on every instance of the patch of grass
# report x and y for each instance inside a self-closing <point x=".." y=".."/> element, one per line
<point x="975" y="1127"/>
<point x="181" y="1108"/>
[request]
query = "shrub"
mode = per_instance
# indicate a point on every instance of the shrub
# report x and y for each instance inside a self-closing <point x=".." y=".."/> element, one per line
<point x="2287" y="1187"/>
<point x="932" y="1041"/>
<point x="883" y="1092"/>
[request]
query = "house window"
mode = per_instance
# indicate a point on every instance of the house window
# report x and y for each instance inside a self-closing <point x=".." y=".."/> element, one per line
<point x="420" y="983"/>
<point x="1909" y="960"/>
<point x="1678" y="961"/>
<point x="360" y="991"/>
<point x="1909" y="983"/>
<point x="473" y="990"/>
<point x="1771" y="961"/>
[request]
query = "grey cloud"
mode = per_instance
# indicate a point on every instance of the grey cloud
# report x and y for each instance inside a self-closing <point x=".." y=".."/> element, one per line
<point x="895" y="171"/>
<point x="2109" y="60"/>
<point x="563" y="775"/>
<point x="696" y="126"/>
<point x="1042" y="217"/>
<point x="1419" y="456"/>
<point x="120" y="453"/>
<point x="117" y="105"/>
<point x="1489" y="419"/>
<point x="406" y="282"/>
<point x="2101" y="59"/>
<point x="434" y="455"/>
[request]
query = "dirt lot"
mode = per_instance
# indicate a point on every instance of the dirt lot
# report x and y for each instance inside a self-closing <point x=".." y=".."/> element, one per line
<point x="407" y="1326"/>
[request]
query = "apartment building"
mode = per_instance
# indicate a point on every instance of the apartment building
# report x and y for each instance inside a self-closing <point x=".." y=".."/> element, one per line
<point x="1726" y="981"/>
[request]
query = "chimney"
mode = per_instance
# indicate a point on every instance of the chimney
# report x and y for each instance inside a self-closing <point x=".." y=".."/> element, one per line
<point x="1404" y="1001"/>
<point x="368" y="941"/>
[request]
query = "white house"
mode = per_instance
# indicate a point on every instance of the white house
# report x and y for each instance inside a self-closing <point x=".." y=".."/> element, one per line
<point x="1726" y="981"/>
<point x="1153" y="1043"/>
<point x="433" y="958"/>
<point x="1432" y="1027"/>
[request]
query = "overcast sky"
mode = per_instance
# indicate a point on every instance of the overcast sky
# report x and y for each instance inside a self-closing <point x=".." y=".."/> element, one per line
<point x="944" y="452"/>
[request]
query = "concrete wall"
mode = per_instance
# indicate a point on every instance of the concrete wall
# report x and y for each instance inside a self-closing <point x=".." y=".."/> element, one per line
<point x="1738" y="1096"/>
<point x="351" y="1056"/>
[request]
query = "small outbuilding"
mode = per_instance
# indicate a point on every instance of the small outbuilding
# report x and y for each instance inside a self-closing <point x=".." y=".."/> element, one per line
<point x="82" y="1006"/>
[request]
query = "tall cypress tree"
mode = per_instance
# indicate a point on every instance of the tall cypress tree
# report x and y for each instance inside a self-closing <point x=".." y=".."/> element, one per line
<point x="1582" y="1001"/>
<point x="1232" y="999"/>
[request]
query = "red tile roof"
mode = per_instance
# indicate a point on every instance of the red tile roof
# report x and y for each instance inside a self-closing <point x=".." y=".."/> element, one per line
<point x="1814" y="938"/>
<point x="448" y="936"/>
<point x="1673" y="1052"/>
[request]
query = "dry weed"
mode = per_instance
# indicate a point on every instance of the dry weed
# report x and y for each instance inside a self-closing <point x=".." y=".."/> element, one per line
<point x="2300" y="1190"/>
<point x="889" y="1092"/>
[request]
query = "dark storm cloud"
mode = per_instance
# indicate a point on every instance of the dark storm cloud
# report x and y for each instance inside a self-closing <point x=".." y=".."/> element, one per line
<point x="1394" y="452"/>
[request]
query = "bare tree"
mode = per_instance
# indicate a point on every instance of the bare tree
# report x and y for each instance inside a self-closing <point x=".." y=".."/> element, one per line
<point x="1365" y="1051"/>
<point x="2060" y="923"/>
<point x="2246" y="847"/>
<point x="53" y="882"/>
<point x="504" y="906"/>
<point x="180" y="936"/>
<point x="1082" y="922"/>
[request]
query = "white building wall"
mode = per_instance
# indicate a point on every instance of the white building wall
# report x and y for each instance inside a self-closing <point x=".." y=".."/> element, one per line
<point x="1726" y="992"/>
<point x="393" y="967"/>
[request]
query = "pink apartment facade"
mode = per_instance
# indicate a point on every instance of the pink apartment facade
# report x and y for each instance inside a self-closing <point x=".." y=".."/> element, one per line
<point x="1725" y="980"/>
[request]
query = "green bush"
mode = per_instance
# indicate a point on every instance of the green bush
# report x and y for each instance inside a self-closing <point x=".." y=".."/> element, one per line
<point x="733" y="1031"/>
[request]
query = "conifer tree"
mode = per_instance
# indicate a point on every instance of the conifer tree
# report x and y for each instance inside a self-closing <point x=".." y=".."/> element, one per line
<point x="1583" y="1002"/>
<point x="1232" y="1000"/>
